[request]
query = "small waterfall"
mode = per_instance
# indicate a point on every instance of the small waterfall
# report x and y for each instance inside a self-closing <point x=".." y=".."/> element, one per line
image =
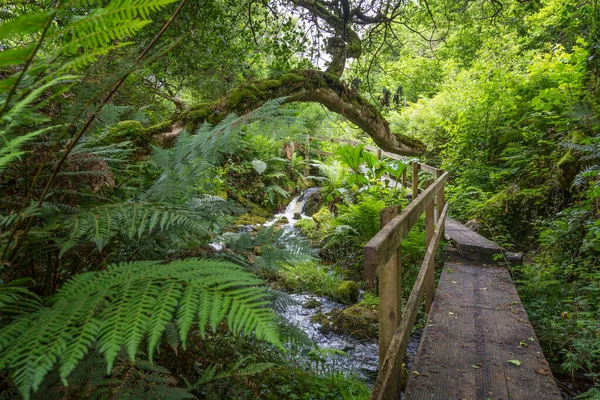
<point x="294" y="211"/>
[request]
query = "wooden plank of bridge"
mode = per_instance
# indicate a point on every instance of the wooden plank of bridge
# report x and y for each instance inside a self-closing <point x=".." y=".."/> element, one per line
<point x="476" y="326"/>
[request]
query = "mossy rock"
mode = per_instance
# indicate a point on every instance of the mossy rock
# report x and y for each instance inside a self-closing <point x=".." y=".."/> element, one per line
<point x="249" y="219"/>
<point x="307" y="227"/>
<point x="569" y="167"/>
<point x="282" y="221"/>
<point x="323" y="216"/>
<point x="356" y="321"/>
<point x="312" y="303"/>
<point x="313" y="204"/>
<point x="347" y="292"/>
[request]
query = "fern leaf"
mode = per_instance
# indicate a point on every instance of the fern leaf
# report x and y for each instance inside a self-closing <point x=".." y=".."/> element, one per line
<point x="118" y="307"/>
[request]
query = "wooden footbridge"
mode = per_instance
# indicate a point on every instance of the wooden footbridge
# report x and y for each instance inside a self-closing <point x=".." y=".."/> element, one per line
<point x="478" y="342"/>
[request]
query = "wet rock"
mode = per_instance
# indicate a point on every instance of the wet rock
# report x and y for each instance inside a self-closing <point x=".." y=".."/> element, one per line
<point x="312" y="303"/>
<point x="347" y="292"/>
<point x="356" y="321"/>
<point x="282" y="221"/>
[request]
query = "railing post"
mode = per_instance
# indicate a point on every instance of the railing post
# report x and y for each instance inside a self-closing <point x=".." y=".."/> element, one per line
<point x="390" y="298"/>
<point x="440" y="199"/>
<point x="404" y="178"/>
<point x="429" y="229"/>
<point x="415" y="180"/>
<point x="378" y="153"/>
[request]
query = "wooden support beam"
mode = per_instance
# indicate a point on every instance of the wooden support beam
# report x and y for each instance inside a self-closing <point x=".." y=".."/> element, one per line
<point x="384" y="244"/>
<point x="440" y="198"/>
<point x="391" y="155"/>
<point x="390" y="296"/>
<point x="404" y="177"/>
<point x="388" y="371"/>
<point x="429" y="169"/>
<point x="415" y="180"/>
<point x="429" y="229"/>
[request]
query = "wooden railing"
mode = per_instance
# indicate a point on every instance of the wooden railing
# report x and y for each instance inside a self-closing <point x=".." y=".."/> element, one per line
<point x="383" y="260"/>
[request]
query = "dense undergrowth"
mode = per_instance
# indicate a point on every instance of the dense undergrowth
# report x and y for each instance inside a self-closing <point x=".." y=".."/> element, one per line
<point x="111" y="286"/>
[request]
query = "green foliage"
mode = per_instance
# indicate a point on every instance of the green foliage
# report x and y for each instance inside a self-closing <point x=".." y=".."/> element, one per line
<point x="132" y="221"/>
<point x="363" y="217"/>
<point x="118" y="307"/>
<point x="312" y="277"/>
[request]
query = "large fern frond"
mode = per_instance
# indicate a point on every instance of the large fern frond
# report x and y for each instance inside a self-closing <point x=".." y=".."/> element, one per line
<point x="118" y="307"/>
<point x="134" y="220"/>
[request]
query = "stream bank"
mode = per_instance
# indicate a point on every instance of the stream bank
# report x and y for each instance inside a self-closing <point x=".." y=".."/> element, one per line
<point x="350" y="354"/>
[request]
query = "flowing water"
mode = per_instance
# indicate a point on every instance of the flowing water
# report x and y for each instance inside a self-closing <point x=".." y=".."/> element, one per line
<point x="359" y="356"/>
<point x="294" y="211"/>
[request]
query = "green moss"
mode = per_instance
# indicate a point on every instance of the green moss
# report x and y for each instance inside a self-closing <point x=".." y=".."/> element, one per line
<point x="197" y="114"/>
<point x="578" y="137"/>
<point x="159" y="128"/>
<point x="356" y="321"/>
<point x="566" y="159"/>
<point x="126" y="130"/>
<point x="270" y="84"/>
<point x="312" y="303"/>
<point x="242" y="97"/>
<point x="248" y="219"/>
<point x="307" y="227"/>
<point x="411" y="141"/>
<point x="292" y="77"/>
<point x="309" y="277"/>
<point x="282" y="221"/>
<point x="354" y="49"/>
<point x="347" y="292"/>
<point x="322" y="216"/>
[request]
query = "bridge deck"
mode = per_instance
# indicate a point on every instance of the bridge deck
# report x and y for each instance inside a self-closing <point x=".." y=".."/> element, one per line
<point x="477" y="325"/>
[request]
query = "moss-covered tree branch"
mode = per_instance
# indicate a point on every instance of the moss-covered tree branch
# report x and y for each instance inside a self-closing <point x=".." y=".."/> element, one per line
<point x="302" y="86"/>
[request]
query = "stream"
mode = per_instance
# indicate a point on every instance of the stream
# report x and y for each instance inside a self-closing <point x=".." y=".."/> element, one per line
<point x="339" y="352"/>
<point x="361" y="356"/>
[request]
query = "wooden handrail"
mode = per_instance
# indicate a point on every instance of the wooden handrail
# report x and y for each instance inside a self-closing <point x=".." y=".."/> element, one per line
<point x="383" y="260"/>
<point x="381" y="247"/>
<point x="388" y="372"/>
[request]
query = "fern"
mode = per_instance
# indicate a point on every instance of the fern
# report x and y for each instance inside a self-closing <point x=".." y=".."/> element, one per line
<point x="15" y="299"/>
<point x="127" y="380"/>
<point x="134" y="220"/>
<point x="278" y="246"/>
<point x="236" y="370"/>
<point x="119" y="307"/>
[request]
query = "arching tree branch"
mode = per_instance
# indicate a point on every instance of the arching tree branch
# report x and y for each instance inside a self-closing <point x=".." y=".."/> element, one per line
<point x="303" y="86"/>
